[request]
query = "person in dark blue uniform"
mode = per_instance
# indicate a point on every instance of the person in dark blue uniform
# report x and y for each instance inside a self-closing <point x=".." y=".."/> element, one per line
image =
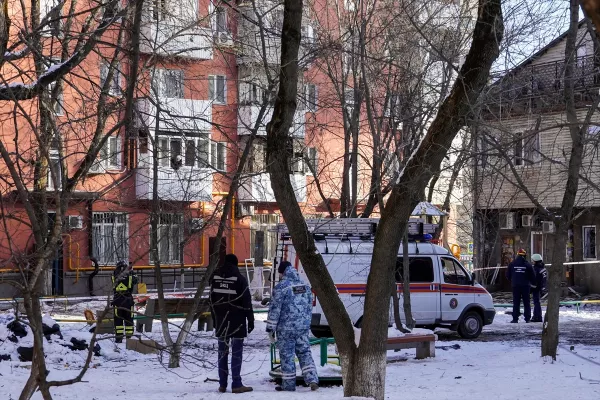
<point x="288" y="324"/>
<point x="541" y="277"/>
<point x="521" y="275"/>
<point x="231" y="307"/>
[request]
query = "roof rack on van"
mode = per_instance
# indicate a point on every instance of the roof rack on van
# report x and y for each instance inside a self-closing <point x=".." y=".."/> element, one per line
<point x="357" y="226"/>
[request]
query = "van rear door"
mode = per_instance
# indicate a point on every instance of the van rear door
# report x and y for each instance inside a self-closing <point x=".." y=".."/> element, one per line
<point x="457" y="291"/>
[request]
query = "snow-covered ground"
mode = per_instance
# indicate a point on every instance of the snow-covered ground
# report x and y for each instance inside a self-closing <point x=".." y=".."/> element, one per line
<point x="510" y="368"/>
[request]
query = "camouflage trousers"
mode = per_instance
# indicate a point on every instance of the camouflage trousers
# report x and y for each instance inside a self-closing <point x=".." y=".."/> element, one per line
<point x="293" y="345"/>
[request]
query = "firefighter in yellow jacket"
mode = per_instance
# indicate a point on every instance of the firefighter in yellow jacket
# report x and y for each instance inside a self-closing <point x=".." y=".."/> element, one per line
<point x="123" y="281"/>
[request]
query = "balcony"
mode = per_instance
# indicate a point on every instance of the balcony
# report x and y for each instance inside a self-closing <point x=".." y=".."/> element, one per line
<point x="184" y="184"/>
<point x="257" y="188"/>
<point x="248" y="115"/>
<point x="540" y="87"/>
<point x="175" y="114"/>
<point x="169" y="38"/>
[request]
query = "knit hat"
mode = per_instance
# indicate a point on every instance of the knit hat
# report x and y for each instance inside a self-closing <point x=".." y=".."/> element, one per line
<point x="521" y="252"/>
<point x="536" y="257"/>
<point x="283" y="266"/>
<point x="231" y="259"/>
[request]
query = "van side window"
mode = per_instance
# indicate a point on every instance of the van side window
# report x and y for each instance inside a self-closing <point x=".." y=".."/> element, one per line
<point x="453" y="272"/>
<point x="421" y="269"/>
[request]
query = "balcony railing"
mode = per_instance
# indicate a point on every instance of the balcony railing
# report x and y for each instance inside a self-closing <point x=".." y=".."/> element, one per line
<point x="257" y="188"/>
<point x="166" y="38"/>
<point x="175" y="114"/>
<point x="541" y="86"/>
<point x="248" y="115"/>
<point x="184" y="184"/>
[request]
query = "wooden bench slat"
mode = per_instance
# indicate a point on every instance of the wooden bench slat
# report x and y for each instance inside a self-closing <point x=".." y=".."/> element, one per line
<point x="411" y="339"/>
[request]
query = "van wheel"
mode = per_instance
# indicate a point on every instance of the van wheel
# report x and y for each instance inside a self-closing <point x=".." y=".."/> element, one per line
<point x="471" y="325"/>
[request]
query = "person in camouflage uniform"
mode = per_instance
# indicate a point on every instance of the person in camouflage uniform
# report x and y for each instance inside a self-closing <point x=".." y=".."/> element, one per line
<point x="289" y="323"/>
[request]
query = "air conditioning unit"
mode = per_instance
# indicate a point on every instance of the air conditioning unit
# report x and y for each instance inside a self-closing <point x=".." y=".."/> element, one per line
<point x="75" y="222"/>
<point x="527" y="220"/>
<point x="507" y="220"/>
<point x="548" y="227"/>
<point x="224" y="39"/>
<point x="245" y="210"/>
<point x="97" y="168"/>
<point x="196" y="225"/>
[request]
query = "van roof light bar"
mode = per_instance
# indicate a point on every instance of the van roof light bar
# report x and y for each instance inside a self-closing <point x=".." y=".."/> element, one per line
<point x="360" y="227"/>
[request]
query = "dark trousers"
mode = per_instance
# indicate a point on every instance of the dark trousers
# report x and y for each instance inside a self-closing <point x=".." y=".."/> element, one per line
<point x="123" y="321"/>
<point x="237" y="349"/>
<point x="521" y="293"/>
<point x="537" y="307"/>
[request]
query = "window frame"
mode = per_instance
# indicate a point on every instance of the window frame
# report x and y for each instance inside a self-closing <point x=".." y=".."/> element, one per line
<point x="312" y="101"/>
<point x="583" y="242"/>
<point x="213" y="89"/>
<point x="166" y="221"/>
<point x="456" y="264"/>
<point x="218" y="155"/>
<point x="107" y="253"/>
<point x="400" y="269"/>
<point x="114" y="88"/>
<point x="54" y="158"/>
<point x="164" y="148"/>
<point x="312" y="159"/>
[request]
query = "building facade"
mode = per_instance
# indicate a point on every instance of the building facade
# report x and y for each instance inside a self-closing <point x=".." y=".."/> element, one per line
<point x="205" y="84"/>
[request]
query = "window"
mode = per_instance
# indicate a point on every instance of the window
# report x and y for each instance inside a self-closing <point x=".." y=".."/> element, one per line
<point x="190" y="151"/>
<point x="350" y="5"/>
<point x="593" y="131"/>
<point x="160" y="10"/>
<point x="110" y="237"/>
<point x="420" y="269"/>
<point x="312" y="158"/>
<point x="453" y="272"/>
<point x="507" y="220"/>
<point x="110" y="154"/>
<point x="308" y="34"/>
<point x="258" y="161"/>
<point x="393" y="106"/>
<point x="266" y="223"/>
<point x="169" y="83"/>
<point x="170" y="235"/>
<point x="296" y="159"/>
<point x="217" y="89"/>
<point x="218" y="155"/>
<point x="537" y="243"/>
<point x="221" y="19"/>
<point x="531" y="147"/>
<point x="49" y="10"/>
<point x="277" y="21"/>
<point x="391" y="165"/>
<point x="527" y="148"/>
<point x="312" y="94"/>
<point x="589" y="242"/>
<point x="349" y="99"/>
<point x="114" y="87"/>
<point x="55" y="90"/>
<point x="54" y="165"/>
<point x="251" y="93"/>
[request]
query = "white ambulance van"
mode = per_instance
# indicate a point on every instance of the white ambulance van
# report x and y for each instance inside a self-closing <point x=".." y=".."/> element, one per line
<point x="443" y="293"/>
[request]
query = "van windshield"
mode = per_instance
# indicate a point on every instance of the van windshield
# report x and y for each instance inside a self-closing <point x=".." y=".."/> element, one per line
<point x="420" y="269"/>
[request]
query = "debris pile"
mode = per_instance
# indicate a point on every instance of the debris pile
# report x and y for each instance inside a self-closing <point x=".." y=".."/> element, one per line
<point x="16" y="341"/>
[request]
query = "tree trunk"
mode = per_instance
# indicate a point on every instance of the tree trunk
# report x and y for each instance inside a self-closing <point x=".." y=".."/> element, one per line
<point x="37" y="377"/>
<point x="410" y="322"/>
<point x="364" y="367"/>
<point x="556" y="272"/>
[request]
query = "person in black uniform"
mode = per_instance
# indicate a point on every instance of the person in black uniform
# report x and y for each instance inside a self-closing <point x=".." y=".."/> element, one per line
<point x="123" y="280"/>
<point x="231" y="307"/>
<point x="522" y="276"/>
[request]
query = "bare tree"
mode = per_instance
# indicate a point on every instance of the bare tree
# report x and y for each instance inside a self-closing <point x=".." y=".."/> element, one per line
<point x="364" y="365"/>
